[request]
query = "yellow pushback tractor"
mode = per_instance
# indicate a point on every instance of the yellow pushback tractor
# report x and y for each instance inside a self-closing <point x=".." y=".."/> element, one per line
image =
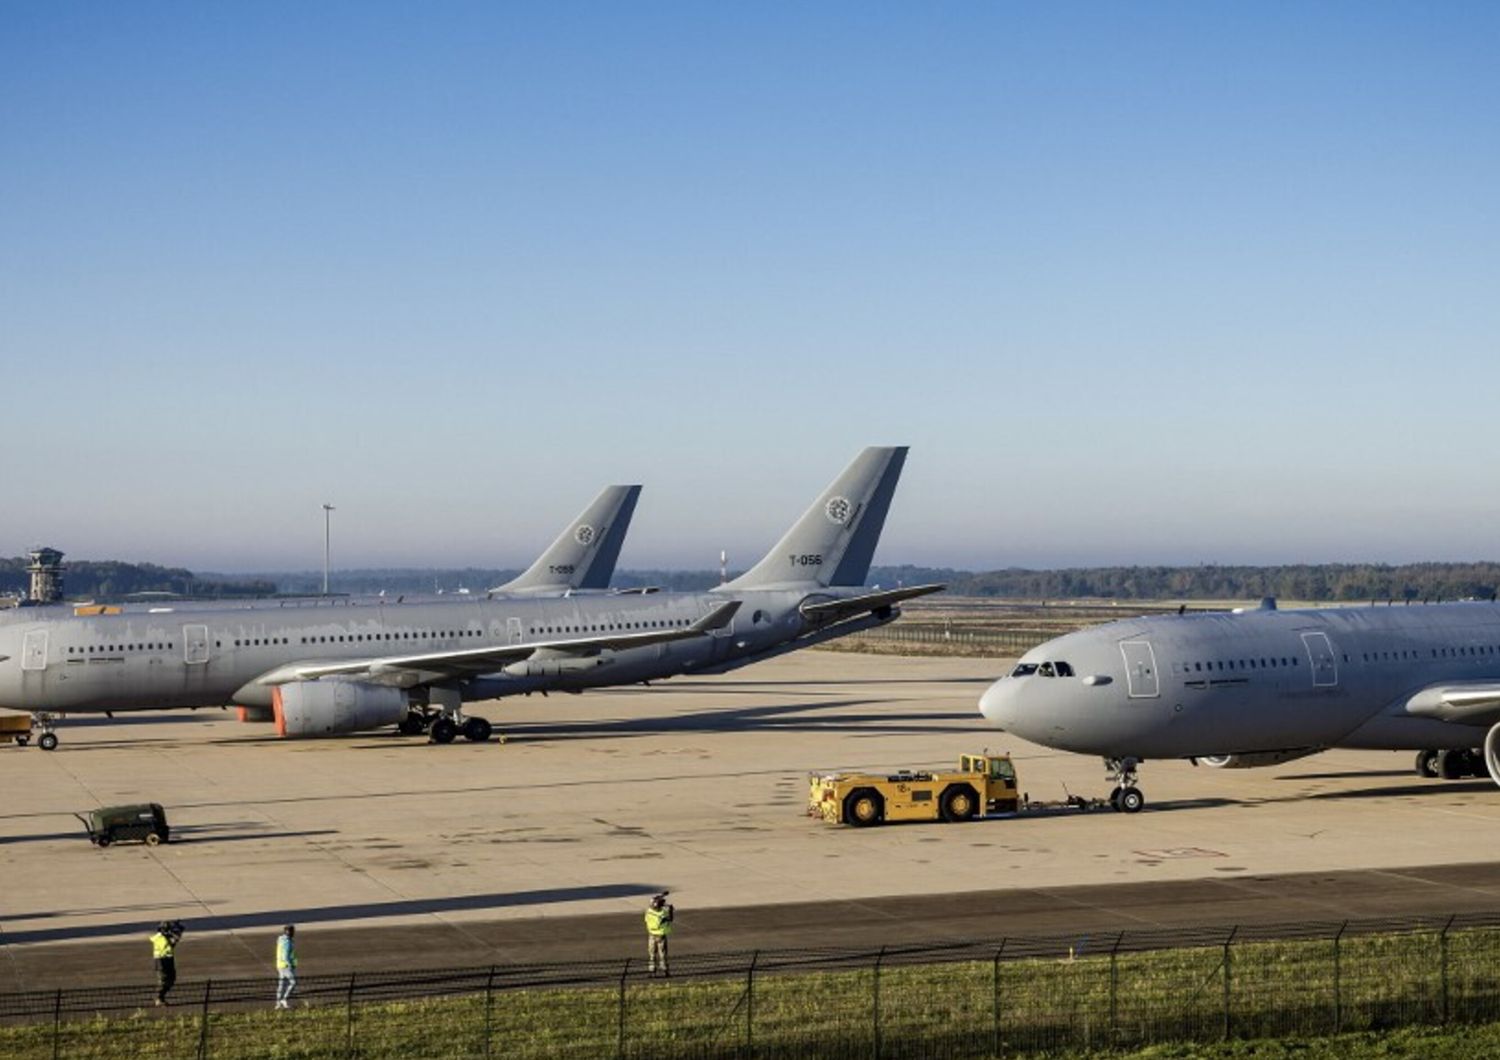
<point x="983" y="784"/>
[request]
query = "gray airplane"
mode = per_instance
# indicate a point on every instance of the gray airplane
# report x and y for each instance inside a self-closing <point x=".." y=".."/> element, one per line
<point x="1264" y="686"/>
<point x="351" y="666"/>
<point x="581" y="560"/>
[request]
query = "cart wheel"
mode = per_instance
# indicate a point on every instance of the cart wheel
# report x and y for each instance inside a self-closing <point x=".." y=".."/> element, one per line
<point x="152" y="839"/>
<point x="103" y="841"/>
<point x="23" y="739"/>
<point x="47" y="741"/>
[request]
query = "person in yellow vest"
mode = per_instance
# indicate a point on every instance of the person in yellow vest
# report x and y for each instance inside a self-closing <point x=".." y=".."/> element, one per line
<point x="164" y="956"/>
<point x="286" y="966"/>
<point x="658" y="926"/>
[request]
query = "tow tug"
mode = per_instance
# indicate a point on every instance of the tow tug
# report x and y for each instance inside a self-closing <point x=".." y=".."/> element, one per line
<point x="984" y="785"/>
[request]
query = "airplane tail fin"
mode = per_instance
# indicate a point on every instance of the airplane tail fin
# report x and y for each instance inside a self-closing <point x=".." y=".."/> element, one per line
<point x="584" y="554"/>
<point x="834" y="541"/>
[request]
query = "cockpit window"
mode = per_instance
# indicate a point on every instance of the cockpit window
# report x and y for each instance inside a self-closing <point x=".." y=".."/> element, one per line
<point x="1024" y="670"/>
<point x="1045" y="670"/>
<point x="1063" y="669"/>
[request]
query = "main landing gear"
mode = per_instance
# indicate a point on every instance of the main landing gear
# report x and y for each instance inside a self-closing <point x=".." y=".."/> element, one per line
<point x="1126" y="797"/>
<point x="1455" y="764"/>
<point x="445" y="726"/>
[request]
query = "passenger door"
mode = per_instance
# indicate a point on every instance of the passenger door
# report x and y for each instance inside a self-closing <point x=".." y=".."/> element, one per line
<point x="34" y="650"/>
<point x="1325" y="667"/>
<point x="1141" y="679"/>
<point x="195" y="645"/>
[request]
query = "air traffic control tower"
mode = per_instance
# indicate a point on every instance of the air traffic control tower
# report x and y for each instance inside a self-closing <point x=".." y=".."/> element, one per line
<point x="46" y="572"/>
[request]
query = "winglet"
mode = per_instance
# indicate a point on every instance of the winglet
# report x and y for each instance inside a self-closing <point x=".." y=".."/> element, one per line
<point x="718" y="618"/>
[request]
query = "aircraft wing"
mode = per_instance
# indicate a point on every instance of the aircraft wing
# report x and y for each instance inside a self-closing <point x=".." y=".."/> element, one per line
<point x="830" y="610"/>
<point x="1464" y="703"/>
<point x="440" y="664"/>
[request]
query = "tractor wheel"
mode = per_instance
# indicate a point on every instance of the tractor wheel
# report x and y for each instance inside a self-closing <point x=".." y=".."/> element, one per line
<point x="864" y="807"/>
<point x="960" y="804"/>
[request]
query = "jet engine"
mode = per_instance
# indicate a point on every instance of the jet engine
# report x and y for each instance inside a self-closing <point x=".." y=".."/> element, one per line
<point x="256" y="713"/>
<point x="1492" y="752"/>
<point x="326" y="708"/>
<point x="1257" y="759"/>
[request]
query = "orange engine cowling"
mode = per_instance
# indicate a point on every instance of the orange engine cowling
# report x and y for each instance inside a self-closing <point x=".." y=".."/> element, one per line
<point x="330" y="707"/>
<point x="255" y="713"/>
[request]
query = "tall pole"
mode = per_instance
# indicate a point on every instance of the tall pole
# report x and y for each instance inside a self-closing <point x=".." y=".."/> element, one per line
<point x="327" y="509"/>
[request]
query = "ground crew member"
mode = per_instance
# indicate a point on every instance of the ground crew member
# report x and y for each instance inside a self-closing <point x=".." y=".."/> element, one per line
<point x="164" y="955"/>
<point x="658" y="927"/>
<point x="286" y="966"/>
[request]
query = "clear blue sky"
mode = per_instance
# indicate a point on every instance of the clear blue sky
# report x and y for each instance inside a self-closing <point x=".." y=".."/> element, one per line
<point x="1137" y="282"/>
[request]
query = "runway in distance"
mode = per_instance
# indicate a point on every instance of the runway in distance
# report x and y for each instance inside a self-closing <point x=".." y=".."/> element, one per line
<point x="345" y="666"/>
<point x="1264" y="686"/>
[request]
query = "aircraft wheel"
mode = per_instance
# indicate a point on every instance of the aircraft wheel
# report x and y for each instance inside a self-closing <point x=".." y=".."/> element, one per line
<point x="1426" y="764"/>
<point x="1452" y="765"/>
<point x="443" y="730"/>
<point x="864" y="807"/>
<point x="959" y="804"/>
<point x="1114" y="799"/>
<point x="1131" y="800"/>
<point x="476" y="730"/>
<point x="47" y="741"/>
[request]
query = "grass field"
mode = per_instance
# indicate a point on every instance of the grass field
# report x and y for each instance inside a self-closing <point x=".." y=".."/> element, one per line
<point x="1181" y="1002"/>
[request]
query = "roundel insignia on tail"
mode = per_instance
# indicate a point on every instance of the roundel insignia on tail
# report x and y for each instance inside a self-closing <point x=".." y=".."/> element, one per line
<point x="584" y="535"/>
<point x="837" y="510"/>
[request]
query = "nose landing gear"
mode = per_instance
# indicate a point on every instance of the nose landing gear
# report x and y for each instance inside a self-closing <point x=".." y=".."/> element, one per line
<point x="1126" y="796"/>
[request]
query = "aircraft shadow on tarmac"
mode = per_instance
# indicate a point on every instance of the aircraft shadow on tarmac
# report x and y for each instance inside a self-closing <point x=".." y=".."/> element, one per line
<point x="329" y="913"/>
<point x="840" y="714"/>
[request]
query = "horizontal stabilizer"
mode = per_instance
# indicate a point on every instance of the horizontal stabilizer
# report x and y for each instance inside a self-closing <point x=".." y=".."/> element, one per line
<point x="825" y="610"/>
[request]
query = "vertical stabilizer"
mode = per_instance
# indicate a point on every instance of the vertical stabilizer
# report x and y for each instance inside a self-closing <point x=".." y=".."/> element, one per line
<point x="584" y="555"/>
<point x="834" y="541"/>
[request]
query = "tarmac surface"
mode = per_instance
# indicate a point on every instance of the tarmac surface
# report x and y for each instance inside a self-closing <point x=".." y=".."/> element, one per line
<point x="390" y="852"/>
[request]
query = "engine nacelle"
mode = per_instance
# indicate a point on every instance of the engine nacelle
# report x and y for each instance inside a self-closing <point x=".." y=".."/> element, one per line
<point x="1258" y="759"/>
<point x="327" y="708"/>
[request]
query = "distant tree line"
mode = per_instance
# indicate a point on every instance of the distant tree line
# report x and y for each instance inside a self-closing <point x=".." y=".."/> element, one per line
<point x="113" y="580"/>
<point x="1317" y="582"/>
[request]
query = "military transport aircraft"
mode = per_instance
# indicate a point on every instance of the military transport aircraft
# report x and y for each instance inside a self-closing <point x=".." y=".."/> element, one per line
<point x="581" y="560"/>
<point x="357" y="666"/>
<point x="1264" y="686"/>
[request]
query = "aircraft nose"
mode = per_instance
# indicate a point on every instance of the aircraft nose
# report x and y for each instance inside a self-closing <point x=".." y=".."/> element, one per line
<point x="996" y="703"/>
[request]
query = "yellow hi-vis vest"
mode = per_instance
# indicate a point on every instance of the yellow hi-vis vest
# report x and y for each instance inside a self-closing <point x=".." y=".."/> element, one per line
<point x="657" y="922"/>
<point x="161" y="946"/>
<point x="286" y="953"/>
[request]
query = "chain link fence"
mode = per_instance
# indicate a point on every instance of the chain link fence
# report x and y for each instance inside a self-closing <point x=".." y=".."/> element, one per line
<point x="1010" y="997"/>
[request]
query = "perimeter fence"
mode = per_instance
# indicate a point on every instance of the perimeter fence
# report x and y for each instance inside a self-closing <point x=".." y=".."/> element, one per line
<point x="1011" y="997"/>
<point x="958" y="640"/>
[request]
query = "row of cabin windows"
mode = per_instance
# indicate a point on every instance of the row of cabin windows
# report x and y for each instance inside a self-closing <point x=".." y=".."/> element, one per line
<point x="609" y="626"/>
<point x="108" y="649"/>
<point x="1274" y="663"/>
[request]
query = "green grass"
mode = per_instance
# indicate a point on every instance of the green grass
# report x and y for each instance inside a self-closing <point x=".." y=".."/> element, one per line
<point x="1284" y="999"/>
